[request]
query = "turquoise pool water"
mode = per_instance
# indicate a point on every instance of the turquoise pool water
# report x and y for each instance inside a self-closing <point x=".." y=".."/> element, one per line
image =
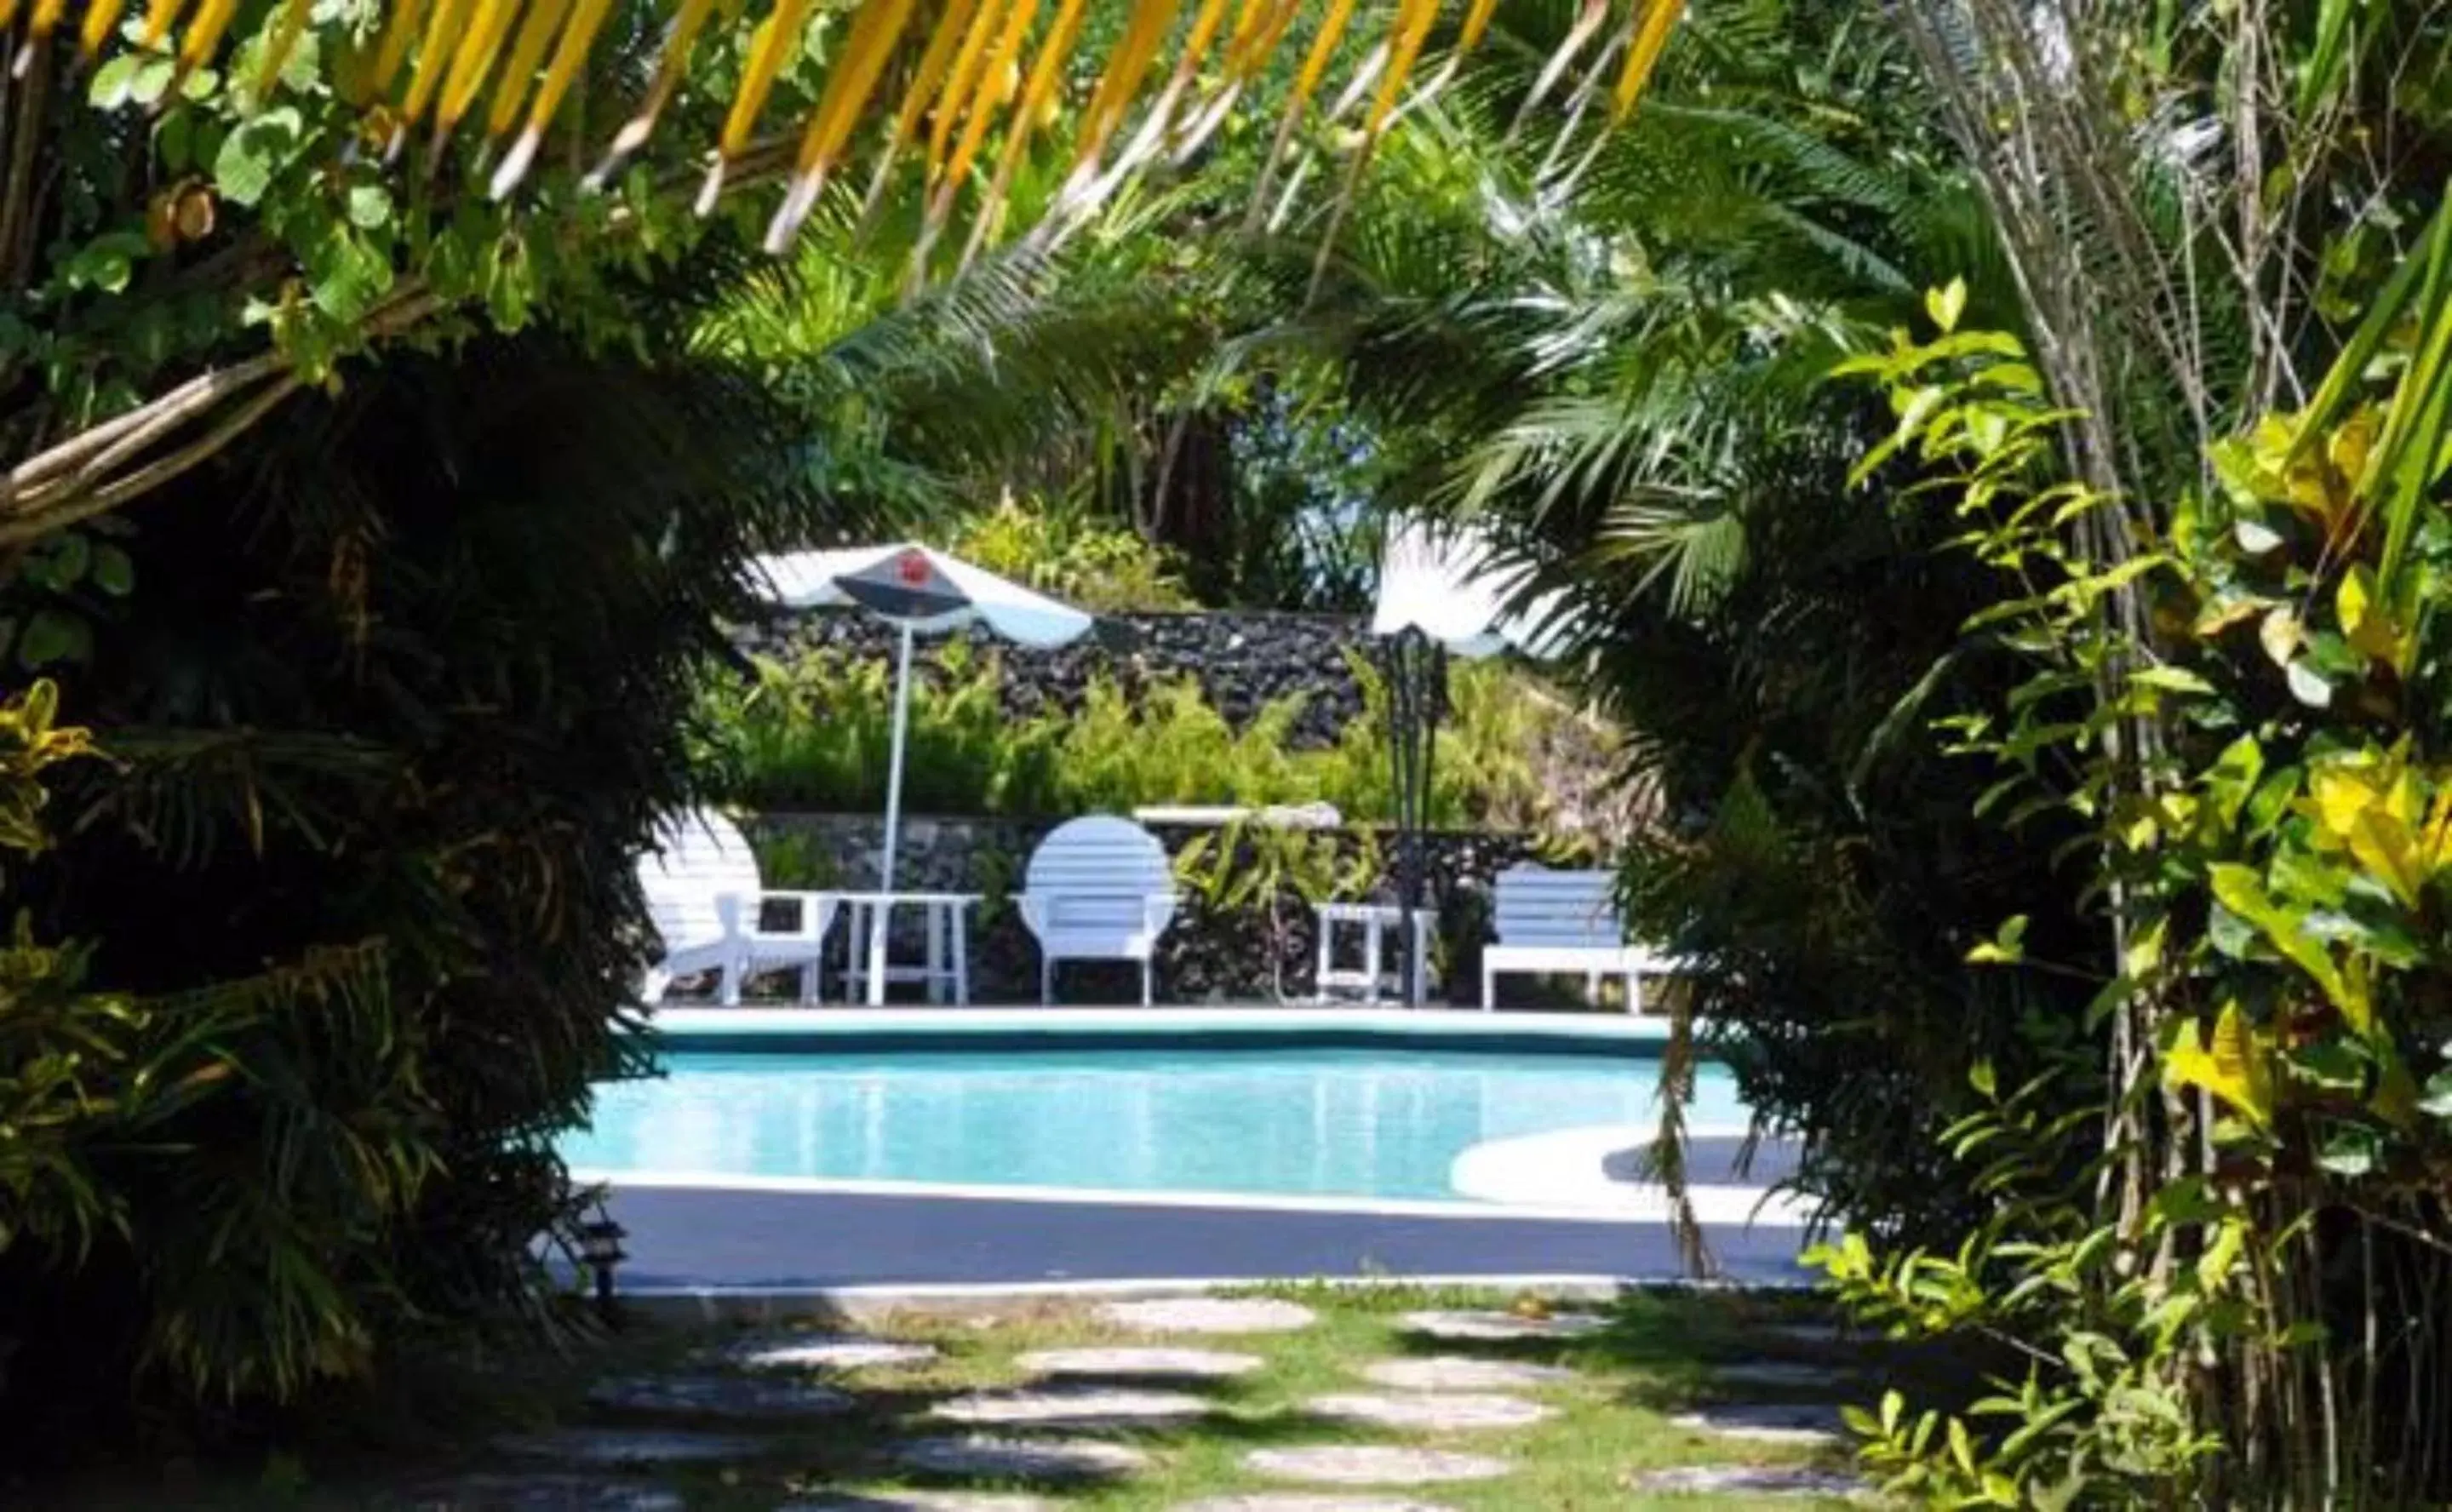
<point x="1299" y="1122"/>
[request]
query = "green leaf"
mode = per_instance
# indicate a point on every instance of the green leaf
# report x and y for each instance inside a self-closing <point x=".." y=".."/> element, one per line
<point x="2351" y="1153"/>
<point x="2231" y="1064"/>
<point x="2437" y="1100"/>
<point x="108" y="88"/>
<point x="151" y="79"/>
<point x="112" y="572"/>
<point x="174" y="139"/>
<point x="348" y="276"/>
<point x="106" y="262"/>
<point x="51" y="638"/>
<point x="1946" y="305"/>
<point x="2330" y="1065"/>
<point x="71" y="554"/>
<point x="249" y="156"/>
<point x="2171" y="679"/>
<point x="2007" y="948"/>
<point x="369" y="205"/>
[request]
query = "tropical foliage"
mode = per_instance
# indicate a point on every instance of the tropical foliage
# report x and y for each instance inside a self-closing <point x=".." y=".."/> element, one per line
<point x="207" y="210"/>
<point x="401" y="693"/>
<point x="814" y="732"/>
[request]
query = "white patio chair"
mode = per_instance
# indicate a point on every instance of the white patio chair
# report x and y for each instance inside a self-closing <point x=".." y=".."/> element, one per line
<point x="1098" y="888"/>
<point x="1565" y="922"/>
<point x="704" y="896"/>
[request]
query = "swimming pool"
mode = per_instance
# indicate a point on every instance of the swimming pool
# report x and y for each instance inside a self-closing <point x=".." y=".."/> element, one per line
<point x="1381" y="1121"/>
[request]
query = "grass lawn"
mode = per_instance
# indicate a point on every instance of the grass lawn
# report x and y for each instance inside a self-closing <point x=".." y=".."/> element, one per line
<point x="1611" y="1425"/>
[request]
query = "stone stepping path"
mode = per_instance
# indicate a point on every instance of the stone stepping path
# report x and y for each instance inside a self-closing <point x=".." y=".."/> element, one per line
<point x="1020" y="1459"/>
<point x="1223" y="1315"/>
<point x="1372" y="1464"/>
<point x="1814" y="1335"/>
<point x="1304" y="1502"/>
<point x="1500" y="1328"/>
<point x="630" y="1447"/>
<point x="1748" y="1480"/>
<point x="1779" y="1375"/>
<point x="1443" y="1412"/>
<point x="1462" y="1373"/>
<point x="719" y="1396"/>
<point x="826" y="1351"/>
<point x="1812" y="1422"/>
<point x="546" y="1493"/>
<point x="1139" y="1365"/>
<point x="922" y="1502"/>
<point x="1070" y="1407"/>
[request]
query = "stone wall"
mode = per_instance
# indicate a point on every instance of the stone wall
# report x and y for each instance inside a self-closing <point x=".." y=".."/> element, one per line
<point x="1206" y="955"/>
<point x="1243" y="661"/>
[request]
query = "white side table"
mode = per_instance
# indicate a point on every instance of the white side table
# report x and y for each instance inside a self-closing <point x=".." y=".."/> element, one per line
<point x="945" y="970"/>
<point x="1376" y="921"/>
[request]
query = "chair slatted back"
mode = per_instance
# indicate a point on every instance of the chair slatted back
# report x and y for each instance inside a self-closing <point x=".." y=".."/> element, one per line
<point x="697" y="857"/>
<point x="1097" y="871"/>
<point x="1537" y="906"/>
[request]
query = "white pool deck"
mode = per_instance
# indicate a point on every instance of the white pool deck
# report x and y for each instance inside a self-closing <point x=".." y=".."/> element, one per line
<point x="1423" y="1023"/>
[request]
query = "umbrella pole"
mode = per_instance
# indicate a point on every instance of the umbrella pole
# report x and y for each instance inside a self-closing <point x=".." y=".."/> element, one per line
<point x="879" y="915"/>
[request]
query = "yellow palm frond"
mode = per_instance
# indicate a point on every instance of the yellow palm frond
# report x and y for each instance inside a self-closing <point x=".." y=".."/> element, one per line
<point x="863" y="81"/>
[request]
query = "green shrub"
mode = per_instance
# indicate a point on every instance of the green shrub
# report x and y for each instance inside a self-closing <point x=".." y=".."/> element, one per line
<point x="1075" y="555"/>
<point x="398" y="696"/>
<point x="815" y="735"/>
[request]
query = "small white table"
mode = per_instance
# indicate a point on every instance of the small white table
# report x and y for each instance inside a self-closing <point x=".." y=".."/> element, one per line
<point x="946" y="969"/>
<point x="1376" y="921"/>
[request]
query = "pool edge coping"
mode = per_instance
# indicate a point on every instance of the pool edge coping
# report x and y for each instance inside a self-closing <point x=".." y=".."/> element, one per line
<point x="870" y="1303"/>
<point x="830" y="1020"/>
<point x="1711" y="1198"/>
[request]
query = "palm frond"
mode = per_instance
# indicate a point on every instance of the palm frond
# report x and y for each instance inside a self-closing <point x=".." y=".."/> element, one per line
<point x="984" y="76"/>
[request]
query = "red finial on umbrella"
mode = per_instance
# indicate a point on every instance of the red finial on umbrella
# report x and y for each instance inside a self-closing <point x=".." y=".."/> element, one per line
<point x="912" y="568"/>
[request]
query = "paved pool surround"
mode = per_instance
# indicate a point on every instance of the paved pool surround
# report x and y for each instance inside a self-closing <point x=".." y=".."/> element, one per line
<point x="774" y="1243"/>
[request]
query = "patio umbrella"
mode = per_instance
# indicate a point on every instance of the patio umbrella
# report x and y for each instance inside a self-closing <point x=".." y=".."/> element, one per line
<point x="1443" y="589"/>
<point x="921" y="592"/>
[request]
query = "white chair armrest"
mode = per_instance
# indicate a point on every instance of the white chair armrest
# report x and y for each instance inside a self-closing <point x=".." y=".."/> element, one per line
<point x="816" y="911"/>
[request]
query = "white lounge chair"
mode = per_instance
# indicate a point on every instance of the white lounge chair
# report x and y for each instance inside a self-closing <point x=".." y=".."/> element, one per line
<point x="704" y="896"/>
<point x="1566" y="922"/>
<point x="1098" y="888"/>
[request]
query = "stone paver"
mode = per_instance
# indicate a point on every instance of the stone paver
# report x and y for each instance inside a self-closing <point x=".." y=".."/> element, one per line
<point x="1442" y="1412"/>
<point x="1372" y="1464"/>
<point x="1813" y="1422"/>
<point x="1303" y="1501"/>
<point x="630" y="1445"/>
<point x="1500" y="1328"/>
<point x="826" y="1351"/>
<point x="1781" y="1375"/>
<point x="546" y="1493"/>
<point x="719" y="1396"/>
<point x="1460" y="1373"/>
<point x="1747" y="1479"/>
<point x="1020" y="1459"/>
<point x="922" y="1502"/>
<point x="1139" y="1365"/>
<point x="1080" y="1406"/>
<point x="1812" y="1335"/>
<point x="1209" y="1315"/>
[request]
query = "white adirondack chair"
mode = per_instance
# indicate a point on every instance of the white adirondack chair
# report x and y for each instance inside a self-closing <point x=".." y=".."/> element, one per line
<point x="1098" y="888"/>
<point x="703" y="894"/>
<point x="1566" y="922"/>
